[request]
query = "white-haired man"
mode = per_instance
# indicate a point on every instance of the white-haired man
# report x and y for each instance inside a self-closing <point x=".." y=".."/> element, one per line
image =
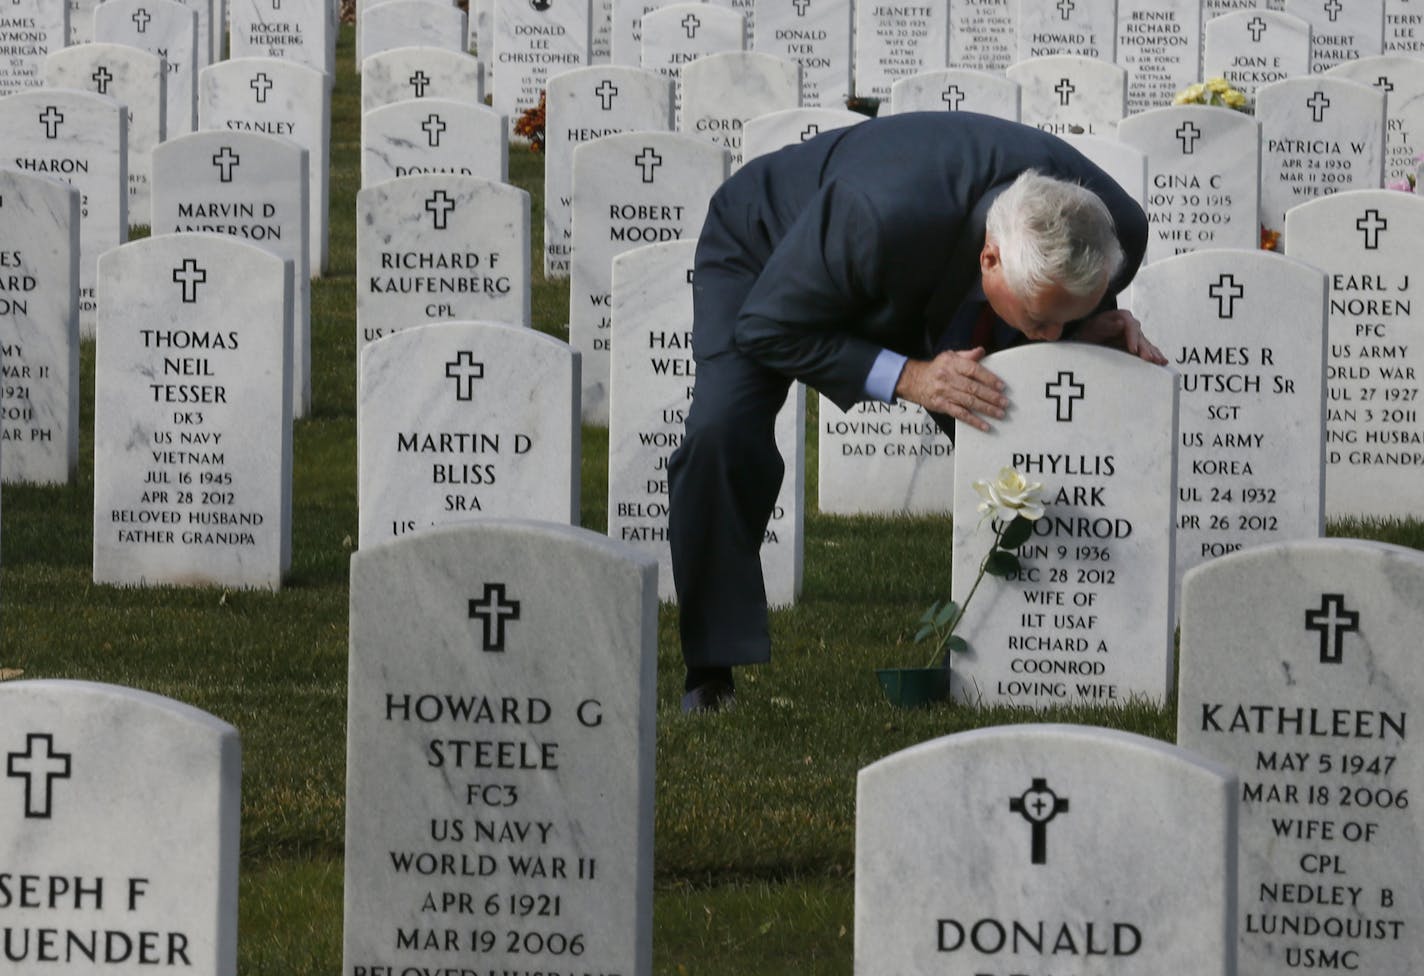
<point x="879" y="261"/>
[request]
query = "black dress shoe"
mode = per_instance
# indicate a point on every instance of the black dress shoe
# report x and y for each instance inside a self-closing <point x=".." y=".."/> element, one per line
<point x="710" y="696"/>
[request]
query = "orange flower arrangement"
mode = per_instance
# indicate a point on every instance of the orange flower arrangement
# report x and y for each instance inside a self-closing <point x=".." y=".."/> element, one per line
<point x="531" y="125"/>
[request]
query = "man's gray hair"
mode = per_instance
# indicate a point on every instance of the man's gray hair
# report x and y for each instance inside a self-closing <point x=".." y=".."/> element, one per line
<point x="1052" y="231"/>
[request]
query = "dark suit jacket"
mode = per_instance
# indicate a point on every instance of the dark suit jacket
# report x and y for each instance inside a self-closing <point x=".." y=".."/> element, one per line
<point x="869" y="237"/>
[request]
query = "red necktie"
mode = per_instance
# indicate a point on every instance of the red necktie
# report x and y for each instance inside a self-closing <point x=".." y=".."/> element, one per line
<point x="983" y="334"/>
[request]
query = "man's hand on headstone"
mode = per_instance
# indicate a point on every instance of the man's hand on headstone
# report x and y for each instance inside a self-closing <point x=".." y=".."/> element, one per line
<point x="954" y="383"/>
<point x="1120" y="329"/>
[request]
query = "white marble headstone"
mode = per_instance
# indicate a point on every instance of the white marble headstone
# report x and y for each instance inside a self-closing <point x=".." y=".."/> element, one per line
<point x="680" y="33"/>
<point x="1251" y="48"/>
<point x="1245" y="331"/>
<point x="479" y="36"/>
<point x="293" y="30"/>
<point x="533" y="42"/>
<point x="1318" y="136"/>
<point x="119" y="816"/>
<point x="1067" y="93"/>
<point x="204" y="9"/>
<point x="955" y="90"/>
<point x="1374" y="447"/>
<point x="1300" y="668"/>
<point x="582" y="105"/>
<point x="1125" y="164"/>
<point x="630" y="189"/>
<point x="433" y="135"/>
<point x="816" y="34"/>
<point x="439" y="248"/>
<point x="410" y="23"/>
<point x="168" y="30"/>
<point x="1045" y="849"/>
<point x="82" y="139"/>
<point x="984" y="35"/>
<point x="500" y="718"/>
<point x="30" y="30"/>
<point x="420" y="72"/>
<point x="770" y="132"/>
<point x="1340" y="31"/>
<point x="193" y="439"/>
<point x="1089" y="619"/>
<point x="652" y="378"/>
<point x="81" y="21"/>
<point x="1211" y="9"/>
<point x="250" y="186"/>
<point x="138" y="80"/>
<point x="1083" y="28"/>
<point x="1404" y="26"/>
<point x="465" y="420"/>
<point x="895" y="41"/>
<point x="883" y="459"/>
<point x="1401" y="78"/>
<point x="722" y="92"/>
<point x="39" y="328"/>
<point x="1159" y="42"/>
<point x="1204" y="172"/>
<point x="280" y="98"/>
<point x="627" y="29"/>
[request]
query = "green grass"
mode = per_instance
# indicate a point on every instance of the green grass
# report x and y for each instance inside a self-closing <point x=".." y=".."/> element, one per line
<point x="755" y="809"/>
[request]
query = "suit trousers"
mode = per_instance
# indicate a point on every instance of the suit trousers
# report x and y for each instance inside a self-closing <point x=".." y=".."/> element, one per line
<point x="723" y="480"/>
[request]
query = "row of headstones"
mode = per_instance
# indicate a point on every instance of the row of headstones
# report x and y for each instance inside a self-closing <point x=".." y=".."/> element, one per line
<point x="1206" y="181"/>
<point x="303" y="31"/>
<point x="1161" y="45"/>
<point x="500" y="788"/>
<point x="85" y="147"/>
<point x="414" y="244"/>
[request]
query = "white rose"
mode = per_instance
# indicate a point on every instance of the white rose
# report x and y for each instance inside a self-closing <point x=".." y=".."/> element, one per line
<point x="1010" y="495"/>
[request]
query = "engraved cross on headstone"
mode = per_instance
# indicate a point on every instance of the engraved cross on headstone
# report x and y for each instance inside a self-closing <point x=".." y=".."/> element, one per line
<point x="493" y="612"/>
<point x="438" y="205"/>
<point x="1067" y="388"/>
<point x="226" y="161"/>
<point x="51" y="118"/>
<point x="1333" y="622"/>
<point x="418" y="81"/>
<point x="952" y="97"/>
<point x="261" y="85"/>
<point x="1372" y="224"/>
<point x="141" y="17"/>
<point x="690" y="23"/>
<point x="433" y="126"/>
<point x="1384" y="83"/>
<point x="1318" y="103"/>
<point x="464" y="371"/>
<point x="1064" y="89"/>
<point x="801" y="6"/>
<point x="190" y="276"/>
<point x="1257" y="27"/>
<point x="1226" y="291"/>
<point x="1188" y="134"/>
<point x="1039" y="805"/>
<point x="39" y="771"/>
<point x="605" y="92"/>
<point x="1333" y="8"/>
<point x="276" y="4"/>
<point x="648" y="161"/>
<point x="1066" y="8"/>
<point x="811" y="130"/>
<point x="101" y="79"/>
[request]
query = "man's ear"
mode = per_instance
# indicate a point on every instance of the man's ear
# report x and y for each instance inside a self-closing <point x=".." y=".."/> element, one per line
<point x="989" y="259"/>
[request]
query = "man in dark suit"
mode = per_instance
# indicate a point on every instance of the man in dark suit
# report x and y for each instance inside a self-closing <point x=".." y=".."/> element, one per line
<point x="879" y="261"/>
